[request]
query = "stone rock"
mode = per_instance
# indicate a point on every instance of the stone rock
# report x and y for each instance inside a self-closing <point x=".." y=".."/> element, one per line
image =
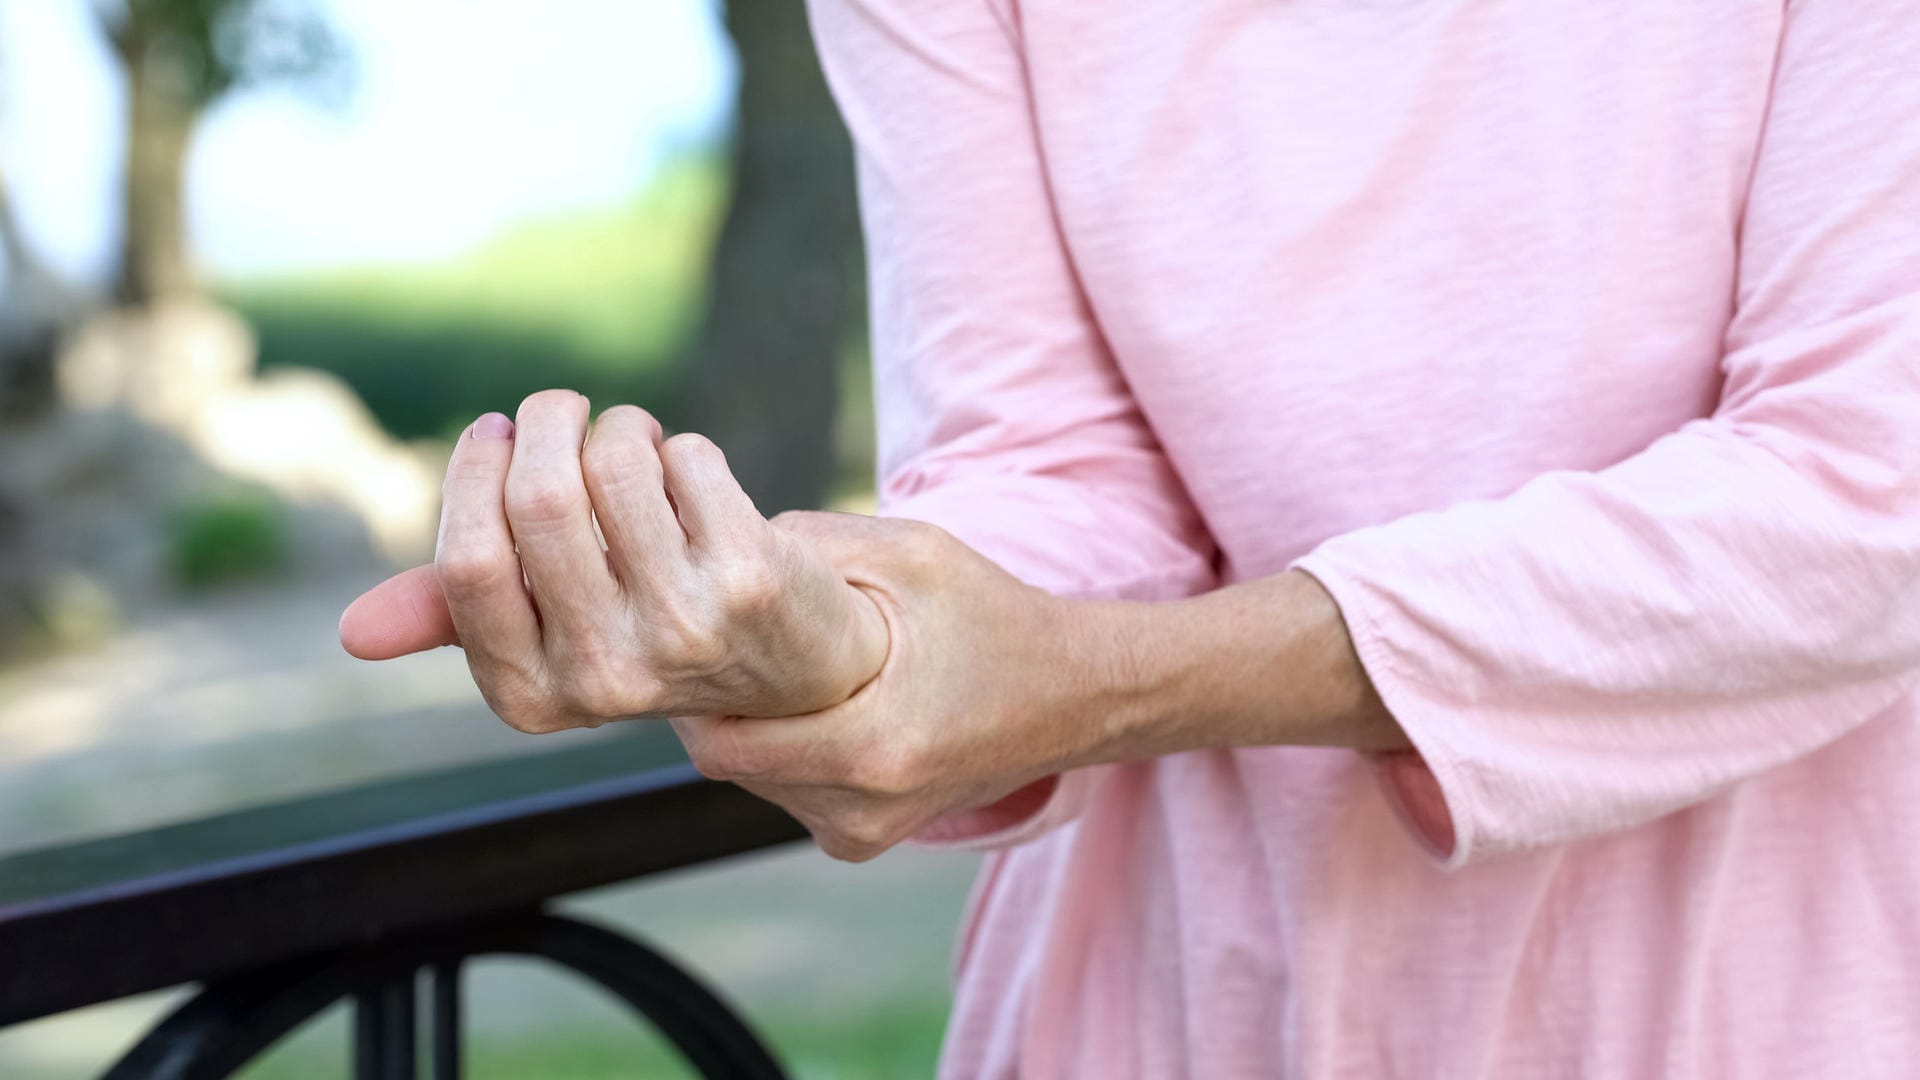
<point x="307" y="437"/>
<point x="162" y="364"/>
<point x="159" y="410"/>
<point x="187" y="367"/>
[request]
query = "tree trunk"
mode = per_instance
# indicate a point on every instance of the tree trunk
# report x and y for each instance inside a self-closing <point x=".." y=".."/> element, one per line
<point x="784" y="287"/>
<point x="154" y="262"/>
<point x="34" y="310"/>
<point x="15" y="256"/>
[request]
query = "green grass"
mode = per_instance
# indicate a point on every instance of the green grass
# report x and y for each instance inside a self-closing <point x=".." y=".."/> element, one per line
<point x="902" y="1041"/>
<point x="601" y="302"/>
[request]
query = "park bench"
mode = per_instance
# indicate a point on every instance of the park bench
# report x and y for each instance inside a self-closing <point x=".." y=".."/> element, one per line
<point x="370" y="893"/>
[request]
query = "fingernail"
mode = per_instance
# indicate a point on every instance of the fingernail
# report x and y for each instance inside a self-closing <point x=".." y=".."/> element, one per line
<point x="491" y="426"/>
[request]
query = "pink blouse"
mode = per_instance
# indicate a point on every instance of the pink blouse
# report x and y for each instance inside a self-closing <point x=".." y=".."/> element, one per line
<point x="1575" y="348"/>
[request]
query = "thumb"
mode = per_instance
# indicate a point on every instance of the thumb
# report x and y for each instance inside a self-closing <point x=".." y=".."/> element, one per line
<point x="404" y="614"/>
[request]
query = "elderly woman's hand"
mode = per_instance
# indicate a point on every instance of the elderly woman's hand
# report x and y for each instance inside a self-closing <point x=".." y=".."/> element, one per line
<point x="988" y="686"/>
<point x="696" y="604"/>
<point x="867" y="675"/>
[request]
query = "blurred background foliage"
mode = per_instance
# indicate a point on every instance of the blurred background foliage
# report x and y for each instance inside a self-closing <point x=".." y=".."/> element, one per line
<point x="603" y="301"/>
<point x="260" y="260"/>
<point x="228" y="538"/>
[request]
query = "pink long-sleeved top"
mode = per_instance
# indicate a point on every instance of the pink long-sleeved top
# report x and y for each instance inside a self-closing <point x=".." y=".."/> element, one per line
<point x="1575" y="348"/>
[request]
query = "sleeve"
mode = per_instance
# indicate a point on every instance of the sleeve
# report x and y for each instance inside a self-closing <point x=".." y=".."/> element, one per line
<point x="1600" y="649"/>
<point x="1002" y="415"/>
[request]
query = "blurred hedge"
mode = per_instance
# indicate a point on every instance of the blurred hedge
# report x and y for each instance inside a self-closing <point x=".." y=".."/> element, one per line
<point x="601" y="302"/>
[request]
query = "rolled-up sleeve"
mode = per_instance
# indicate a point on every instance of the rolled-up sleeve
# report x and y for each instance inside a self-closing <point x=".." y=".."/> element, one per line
<point x="1600" y="649"/>
<point x="1002" y="416"/>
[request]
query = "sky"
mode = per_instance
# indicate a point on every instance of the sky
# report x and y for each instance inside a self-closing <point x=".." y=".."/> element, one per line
<point x="466" y="116"/>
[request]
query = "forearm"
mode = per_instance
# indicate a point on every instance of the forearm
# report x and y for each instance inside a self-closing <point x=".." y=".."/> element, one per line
<point x="1263" y="663"/>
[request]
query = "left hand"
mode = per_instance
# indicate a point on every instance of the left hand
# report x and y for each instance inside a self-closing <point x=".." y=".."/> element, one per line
<point x="696" y="604"/>
<point x="982" y="692"/>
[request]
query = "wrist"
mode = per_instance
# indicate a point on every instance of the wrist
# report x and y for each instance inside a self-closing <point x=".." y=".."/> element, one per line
<point x="1116" y="661"/>
<point x="1265" y="663"/>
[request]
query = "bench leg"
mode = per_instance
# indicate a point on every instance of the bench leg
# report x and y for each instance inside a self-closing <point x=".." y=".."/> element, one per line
<point x="383" y="1031"/>
<point x="446" y="1020"/>
<point x="229" y="1023"/>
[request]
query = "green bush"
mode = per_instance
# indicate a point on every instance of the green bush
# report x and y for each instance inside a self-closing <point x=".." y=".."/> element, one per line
<point x="429" y="377"/>
<point x="227" y="538"/>
<point x="600" y="301"/>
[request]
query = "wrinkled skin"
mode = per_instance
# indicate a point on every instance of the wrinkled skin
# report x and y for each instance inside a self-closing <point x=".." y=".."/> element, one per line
<point x="867" y="675"/>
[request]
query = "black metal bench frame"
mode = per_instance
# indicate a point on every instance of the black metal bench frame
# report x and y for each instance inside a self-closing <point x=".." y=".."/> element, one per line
<point x="282" y="911"/>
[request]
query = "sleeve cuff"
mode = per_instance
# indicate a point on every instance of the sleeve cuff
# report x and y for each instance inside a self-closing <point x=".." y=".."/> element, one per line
<point x="1416" y="798"/>
<point x="1025" y="814"/>
<point x="1423" y="787"/>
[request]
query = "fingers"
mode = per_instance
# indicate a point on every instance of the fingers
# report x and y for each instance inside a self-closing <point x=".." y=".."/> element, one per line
<point x="550" y="516"/>
<point x="794" y="751"/>
<point x="475" y="566"/>
<point x="623" y="473"/>
<point x="719" y="518"/>
<point x="855" y="811"/>
<point x="404" y="614"/>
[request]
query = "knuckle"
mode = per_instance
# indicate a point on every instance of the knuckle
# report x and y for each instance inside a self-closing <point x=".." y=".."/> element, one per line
<point x="746" y="587"/>
<point x="689" y="647"/>
<point x="465" y="570"/>
<point x="706" y="653"/>
<point x="692" y="447"/>
<point x="630" y="421"/>
<point x="595" y="696"/>
<point x="610" y="466"/>
<point x="604" y="459"/>
<point x="601" y="683"/>
<point x="514" y="694"/>
<point x="548" y="400"/>
<point x="619" y="455"/>
<point x="860" y="836"/>
<point x="530" y="724"/>
<point x="526" y="717"/>
<point x="541" y="498"/>
<point x="521" y="701"/>
<point x="841" y="849"/>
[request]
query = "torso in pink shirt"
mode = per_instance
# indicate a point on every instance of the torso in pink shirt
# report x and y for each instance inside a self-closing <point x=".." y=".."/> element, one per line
<point x="1575" y="348"/>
